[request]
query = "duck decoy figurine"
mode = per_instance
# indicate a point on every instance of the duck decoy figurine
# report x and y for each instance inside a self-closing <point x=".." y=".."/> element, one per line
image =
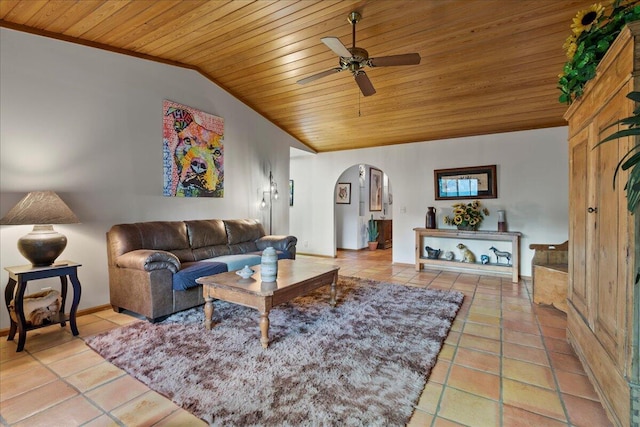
<point x="432" y="253"/>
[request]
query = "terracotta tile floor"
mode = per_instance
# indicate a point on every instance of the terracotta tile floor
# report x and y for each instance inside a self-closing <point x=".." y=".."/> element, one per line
<point x="505" y="363"/>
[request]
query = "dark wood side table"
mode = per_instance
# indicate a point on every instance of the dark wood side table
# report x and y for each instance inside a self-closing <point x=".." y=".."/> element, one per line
<point x="20" y="275"/>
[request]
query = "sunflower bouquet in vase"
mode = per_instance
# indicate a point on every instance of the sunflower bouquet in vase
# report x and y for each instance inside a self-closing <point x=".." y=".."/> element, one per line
<point x="467" y="216"/>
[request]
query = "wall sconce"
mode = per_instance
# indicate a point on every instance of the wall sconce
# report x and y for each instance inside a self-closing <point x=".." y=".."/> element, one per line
<point x="41" y="208"/>
<point x="273" y="195"/>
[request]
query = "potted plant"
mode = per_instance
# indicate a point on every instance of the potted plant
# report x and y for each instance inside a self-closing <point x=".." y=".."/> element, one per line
<point x="372" y="229"/>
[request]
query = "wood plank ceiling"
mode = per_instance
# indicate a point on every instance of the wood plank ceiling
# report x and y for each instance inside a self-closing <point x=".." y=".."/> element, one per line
<point x="488" y="66"/>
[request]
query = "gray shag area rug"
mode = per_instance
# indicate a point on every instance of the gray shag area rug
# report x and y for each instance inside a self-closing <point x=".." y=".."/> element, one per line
<point x="363" y="363"/>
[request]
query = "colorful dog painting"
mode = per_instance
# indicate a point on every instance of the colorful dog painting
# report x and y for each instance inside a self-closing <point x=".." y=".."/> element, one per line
<point x="193" y="152"/>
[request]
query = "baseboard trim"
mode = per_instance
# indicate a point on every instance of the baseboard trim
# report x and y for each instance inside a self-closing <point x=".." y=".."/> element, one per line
<point x="5" y="332"/>
<point x="316" y="255"/>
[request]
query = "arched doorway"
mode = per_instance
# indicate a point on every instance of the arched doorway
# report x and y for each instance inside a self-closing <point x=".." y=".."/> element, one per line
<point x="361" y="192"/>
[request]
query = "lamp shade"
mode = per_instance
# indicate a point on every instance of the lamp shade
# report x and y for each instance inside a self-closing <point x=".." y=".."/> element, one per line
<point x="41" y="208"/>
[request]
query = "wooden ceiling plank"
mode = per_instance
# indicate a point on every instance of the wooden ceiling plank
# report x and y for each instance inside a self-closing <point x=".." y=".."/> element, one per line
<point x="49" y="13"/>
<point x="124" y="20"/>
<point x="251" y="40"/>
<point x="256" y="73"/>
<point x="100" y="14"/>
<point x="215" y="38"/>
<point x="518" y="67"/>
<point x="497" y="112"/>
<point x="23" y="11"/>
<point x="6" y="6"/>
<point x="182" y="28"/>
<point x="419" y="109"/>
<point x="77" y="11"/>
<point x="160" y="14"/>
<point x="276" y="49"/>
<point x="427" y="127"/>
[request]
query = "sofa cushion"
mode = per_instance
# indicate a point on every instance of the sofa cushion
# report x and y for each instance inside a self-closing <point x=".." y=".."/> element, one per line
<point x="186" y="277"/>
<point x="210" y="252"/>
<point x="164" y="235"/>
<point x="206" y="232"/>
<point x="243" y="248"/>
<point x="237" y="262"/>
<point x="243" y="230"/>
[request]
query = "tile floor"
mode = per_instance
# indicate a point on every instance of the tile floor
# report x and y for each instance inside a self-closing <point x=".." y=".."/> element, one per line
<point x="505" y="363"/>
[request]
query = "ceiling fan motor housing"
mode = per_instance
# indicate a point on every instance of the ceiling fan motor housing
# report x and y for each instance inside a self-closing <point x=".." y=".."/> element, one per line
<point x="357" y="60"/>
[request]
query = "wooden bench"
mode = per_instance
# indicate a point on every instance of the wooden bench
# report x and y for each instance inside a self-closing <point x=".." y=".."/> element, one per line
<point x="550" y="274"/>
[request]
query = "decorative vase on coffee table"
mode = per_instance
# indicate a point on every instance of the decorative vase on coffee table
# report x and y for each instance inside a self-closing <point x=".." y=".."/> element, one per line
<point x="269" y="265"/>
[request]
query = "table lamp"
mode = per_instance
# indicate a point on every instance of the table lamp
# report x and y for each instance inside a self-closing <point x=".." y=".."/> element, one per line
<point x="42" y="209"/>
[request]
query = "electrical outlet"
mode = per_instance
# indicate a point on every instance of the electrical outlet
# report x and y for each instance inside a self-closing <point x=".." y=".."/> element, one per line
<point x="306" y="243"/>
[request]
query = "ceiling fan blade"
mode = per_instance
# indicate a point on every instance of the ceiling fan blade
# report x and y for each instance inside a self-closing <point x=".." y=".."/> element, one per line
<point x="387" y="61"/>
<point x="365" y="85"/>
<point x="318" y="76"/>
<point x="336" y="46"/>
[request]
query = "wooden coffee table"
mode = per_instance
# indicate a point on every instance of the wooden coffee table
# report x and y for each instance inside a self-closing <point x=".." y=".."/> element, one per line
<point x="295" y="278"/>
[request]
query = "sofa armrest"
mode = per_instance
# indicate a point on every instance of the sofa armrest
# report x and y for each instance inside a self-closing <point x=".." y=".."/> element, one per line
<point x="278" y="242"/>
<point x="149" y="260"/>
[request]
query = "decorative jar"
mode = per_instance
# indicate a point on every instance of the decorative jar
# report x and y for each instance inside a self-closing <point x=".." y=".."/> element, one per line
<point x="431" y="217"/>
<point x="269" y="265"/>
<point x="502" y="221"/>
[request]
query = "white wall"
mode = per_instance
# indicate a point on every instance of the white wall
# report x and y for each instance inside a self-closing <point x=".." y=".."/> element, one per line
<point x="347" y="224"/>
<point x="532" y="168"/>
<point x="87" y="124"/>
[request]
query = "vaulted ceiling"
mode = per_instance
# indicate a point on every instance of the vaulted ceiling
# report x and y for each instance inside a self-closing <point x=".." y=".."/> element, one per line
<point x="487" y="66"/>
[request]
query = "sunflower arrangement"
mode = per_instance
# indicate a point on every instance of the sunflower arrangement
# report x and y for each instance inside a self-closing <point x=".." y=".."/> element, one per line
<point x="468" y="215"/>
<point x="591" y="35"/>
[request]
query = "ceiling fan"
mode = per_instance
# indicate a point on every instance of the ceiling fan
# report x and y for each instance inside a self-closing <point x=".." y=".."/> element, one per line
<point x="355" y="59"/>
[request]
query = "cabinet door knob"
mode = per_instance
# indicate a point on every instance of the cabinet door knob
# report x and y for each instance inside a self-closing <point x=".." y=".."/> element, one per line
<point x="592" y="210"/>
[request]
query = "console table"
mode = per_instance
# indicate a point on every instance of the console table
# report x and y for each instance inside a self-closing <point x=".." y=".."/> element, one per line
<point x="498" y="236"/>
<point x="20" y="275"/>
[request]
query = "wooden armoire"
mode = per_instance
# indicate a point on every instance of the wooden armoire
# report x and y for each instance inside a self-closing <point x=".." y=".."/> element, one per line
<point x="603" y="299"/>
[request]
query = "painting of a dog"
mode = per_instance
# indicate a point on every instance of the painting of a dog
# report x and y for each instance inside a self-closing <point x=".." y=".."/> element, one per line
<point x="193" y="152"/>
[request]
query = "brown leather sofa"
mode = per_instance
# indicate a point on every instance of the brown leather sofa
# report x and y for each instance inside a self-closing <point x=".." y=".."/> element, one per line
<point x="153" y="265"/>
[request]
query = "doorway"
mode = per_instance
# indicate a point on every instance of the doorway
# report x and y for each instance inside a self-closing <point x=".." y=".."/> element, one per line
<point x="362" y="192"/>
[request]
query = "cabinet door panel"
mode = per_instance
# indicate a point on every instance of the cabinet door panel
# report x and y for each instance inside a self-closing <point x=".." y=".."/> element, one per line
<point x="578" y="203"/>
<point x="609" y="319"/>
